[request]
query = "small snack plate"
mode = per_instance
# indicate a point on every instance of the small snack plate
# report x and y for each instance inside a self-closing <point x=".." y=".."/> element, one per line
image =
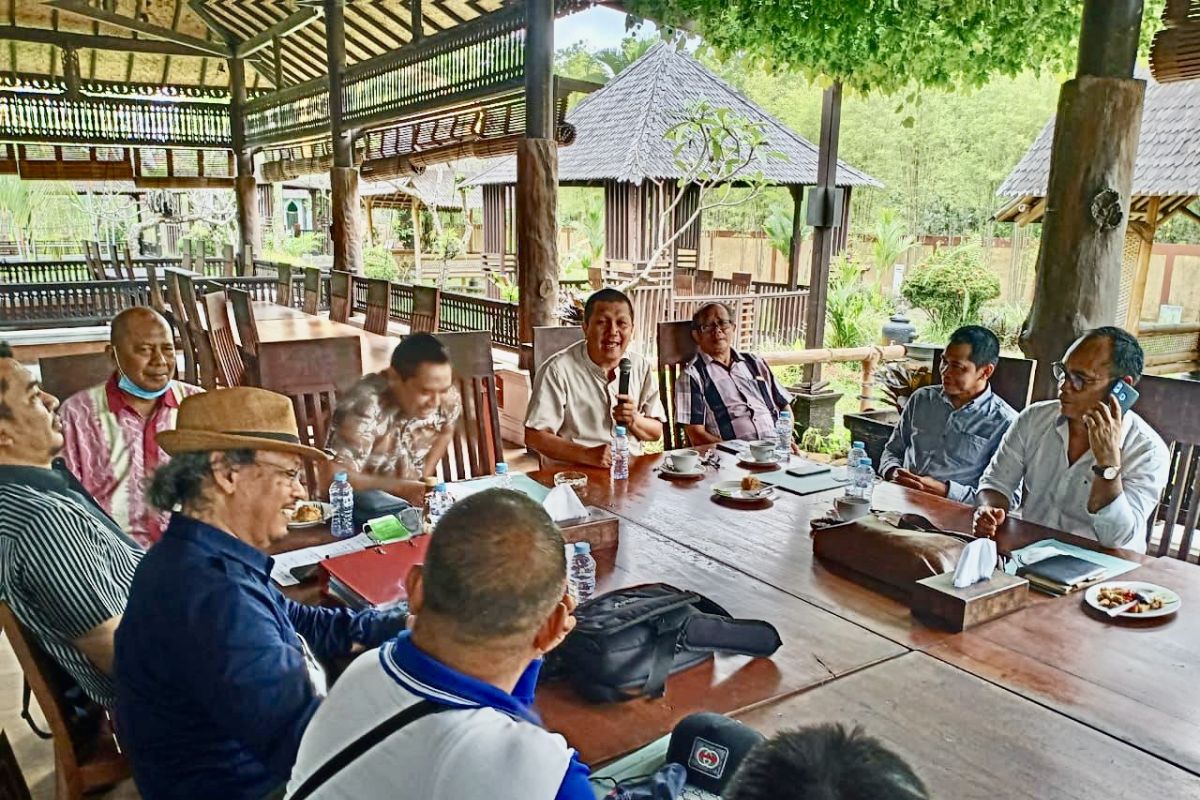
<point x="1171" y="601"/>
<point x="675" y="475"/>
<point x="732" y="490"/>
<point x="326" y="515"/>
<point x="749" y="462"/>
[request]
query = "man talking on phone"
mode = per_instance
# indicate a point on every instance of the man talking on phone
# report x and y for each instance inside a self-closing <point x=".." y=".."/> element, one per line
<point x="1088" y="464"/>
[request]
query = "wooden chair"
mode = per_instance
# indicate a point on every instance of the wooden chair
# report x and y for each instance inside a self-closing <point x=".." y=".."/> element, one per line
<point x="95" y="263"/>
<point x="247" y="328"/>
<point x="206" y="360"/>
<point x="549" y="339"/>
<point x="742" y="282"/>
<point x="312" y="290"/>
<point x="63" y="376"/>
<point x="704" y="281"/>
<point x="687" y="258"/>
<point x="1172" y="407"/>
<point x="154" y="293"/>
<point x="185" y="259"/>
<point x="1012" y="380"/>
<point x="427" y="309"/>
<point x="379" y="294"/>
<point x="229" y="262"/>
<point x="283" y="287"/>
<point x="596" y="278"/>
<point x="180" y="320"/>
<point x="675" y="350"/>
<point x="227" y="358"/>
<point x="340" y="284"/>
<point x="476" y="446"/>
<point x="685" y="284"/>
<point x="86" y="756"/>
<point x="12" y="780"/>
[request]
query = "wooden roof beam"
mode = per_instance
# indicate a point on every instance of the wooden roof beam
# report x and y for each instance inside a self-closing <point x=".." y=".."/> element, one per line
<point x="86" y="41"/>
<point x="292" y="23"/>
<point x="81" y="8"/>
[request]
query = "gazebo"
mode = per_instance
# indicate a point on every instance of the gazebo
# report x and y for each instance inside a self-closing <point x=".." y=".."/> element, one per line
<point x="1166" y="182"/>
<point x="620" y="146"/>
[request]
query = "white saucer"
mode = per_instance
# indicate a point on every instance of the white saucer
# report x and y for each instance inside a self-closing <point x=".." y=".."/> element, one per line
<point x="698" y="472"/>
<point x="326" y="515"/>
<point x="732" y="490"/>
<point x="1171" y="600"/>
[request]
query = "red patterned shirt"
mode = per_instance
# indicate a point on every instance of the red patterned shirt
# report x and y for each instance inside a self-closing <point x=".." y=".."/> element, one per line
<point x="114" y="451"/>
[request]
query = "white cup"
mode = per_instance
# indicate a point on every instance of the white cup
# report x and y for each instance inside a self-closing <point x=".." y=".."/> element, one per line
<point x="683" y="460"/>
<point x="763" y="450"/>
<point x="850" y="508"/>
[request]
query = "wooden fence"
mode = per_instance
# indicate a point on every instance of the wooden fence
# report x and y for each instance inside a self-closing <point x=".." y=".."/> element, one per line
<point x="69" y="270"/>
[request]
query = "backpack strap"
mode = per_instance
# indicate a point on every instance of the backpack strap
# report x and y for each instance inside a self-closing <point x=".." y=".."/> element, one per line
<point x="722" y="634"/>
<point x="351" y="752"/>
<point x="26" y="692"/>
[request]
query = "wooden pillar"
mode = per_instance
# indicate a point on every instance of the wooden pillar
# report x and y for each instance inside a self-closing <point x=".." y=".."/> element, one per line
<point x="793" y="278"/>
<point x="1087" y="201"/>
<point x="826" y="218"/>
<point x="1137" y="292"/>
<point x="415" y="207"/>
<point x="343" y="177"/>
<point x="537" y="177"/>
<point x="245" y="188"/>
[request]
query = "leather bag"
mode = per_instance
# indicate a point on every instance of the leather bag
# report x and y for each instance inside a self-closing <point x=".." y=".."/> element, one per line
<point x="888" y="555"/>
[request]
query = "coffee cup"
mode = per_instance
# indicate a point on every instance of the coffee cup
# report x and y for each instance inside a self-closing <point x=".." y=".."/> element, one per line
<point x="683" y="460"/>
<point x="849" y="508"/>
<point x="762" y="450"/>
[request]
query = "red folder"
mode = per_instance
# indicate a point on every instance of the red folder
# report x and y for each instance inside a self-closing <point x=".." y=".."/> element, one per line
<point x="373" y="578"/>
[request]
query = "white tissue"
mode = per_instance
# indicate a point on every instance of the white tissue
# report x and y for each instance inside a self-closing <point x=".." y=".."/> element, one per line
<point x="976" y="563"/>
<point x="563" y="504"/>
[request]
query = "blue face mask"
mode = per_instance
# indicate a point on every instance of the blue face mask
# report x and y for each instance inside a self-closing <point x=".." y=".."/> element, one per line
<point x="129" y="387"/>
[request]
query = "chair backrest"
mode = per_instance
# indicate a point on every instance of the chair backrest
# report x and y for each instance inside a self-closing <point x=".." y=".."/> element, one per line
<point x="154" y="294"/>
<point x="185" y="259"/>
<point x="426" y="314"/>
<point x="1012" y="380"/>
<point x="476" y="446"/>
<point x="95" y="262"/>
<point x="549" y="339"/>
<point x="379" y="294"/>
<point x="229" y="262"/>
<point x="685" y="283"/>
<point x="312" y="290"/>
<point x="179" y="317"/>
<point x="687" y="258"/>
<point x="127" y="262"/>
<point x="230" y="367"/>
<point x="1172" y="407"/>
<point x="283" y="288"/>
<point x="675" y="349"/>
<point x="596" y="277"/>
<point x="704" y="281"/>
<point x="63" y="376"/>
<point x="339" y="295"/>
<point x="742" y="281"/>
<point x="206" y="361"/>
<point x="247" y="330"/>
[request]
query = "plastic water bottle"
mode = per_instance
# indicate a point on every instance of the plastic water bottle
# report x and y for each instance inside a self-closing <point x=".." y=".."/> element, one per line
<point x="503" y="479"/>
<point x="858" y="451"/>
<point x="341" y="497"/>
<point x="568" y="559"/>
<point x="583" y="572"/>
<point x="431" y="502"/>
<point x="783" y="435"/>
<point x="441" y="502"/>
<point x="620" y="455"/>
<point x="864" y="479"/>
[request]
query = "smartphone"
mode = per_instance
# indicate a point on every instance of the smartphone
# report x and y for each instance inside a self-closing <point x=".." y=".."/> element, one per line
<point x="1126" y="395"/>
<point x="808" y="470"/>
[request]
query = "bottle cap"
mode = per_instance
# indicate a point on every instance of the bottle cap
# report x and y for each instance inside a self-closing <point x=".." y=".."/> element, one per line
<point x="860" y="445"/>
<point x="620" y="430"/>
<point x="341" y="476"/>
<point x="864" y="462"/>
<point x="441" y="487"/>
<point x="430" y="483"/>
<point x="501" y="468"/>
<point x="582" y="547"/>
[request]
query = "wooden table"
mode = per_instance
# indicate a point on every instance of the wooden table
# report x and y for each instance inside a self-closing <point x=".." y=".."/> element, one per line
<point x="281" y="324"/>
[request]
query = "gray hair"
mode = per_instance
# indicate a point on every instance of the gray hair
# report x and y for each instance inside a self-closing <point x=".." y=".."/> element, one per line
<point x="696" y="317"/>
<point x="180" y="482"/>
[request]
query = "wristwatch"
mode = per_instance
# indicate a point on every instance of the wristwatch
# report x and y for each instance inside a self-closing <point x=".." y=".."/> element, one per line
<point x="1108" y="473"/>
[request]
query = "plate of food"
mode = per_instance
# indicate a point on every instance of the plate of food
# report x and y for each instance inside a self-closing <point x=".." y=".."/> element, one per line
<point x="748" y="490"/>
<point x="1132" y="599"/>
<point x="308" y="514"/>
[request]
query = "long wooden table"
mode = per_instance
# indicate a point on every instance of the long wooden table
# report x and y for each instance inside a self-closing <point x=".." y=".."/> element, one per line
<point x="281" y="324"/>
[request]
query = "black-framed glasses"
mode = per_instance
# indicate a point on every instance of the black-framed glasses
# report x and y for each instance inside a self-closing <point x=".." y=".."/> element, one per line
<point x="1078" y="382"/>
<point x="709" y="327"/>
<point x="293" y="475"/>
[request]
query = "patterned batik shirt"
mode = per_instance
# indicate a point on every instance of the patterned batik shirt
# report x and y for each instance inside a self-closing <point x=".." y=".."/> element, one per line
<point x="373" y="435"/>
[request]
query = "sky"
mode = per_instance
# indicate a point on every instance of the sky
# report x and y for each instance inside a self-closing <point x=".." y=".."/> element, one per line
<point x="596" y="27"/>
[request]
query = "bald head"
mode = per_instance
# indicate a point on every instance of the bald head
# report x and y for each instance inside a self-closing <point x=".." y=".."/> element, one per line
<point x="136" y="320"/>
<point x="143" y="347"/>
<point x="495" y="567"/>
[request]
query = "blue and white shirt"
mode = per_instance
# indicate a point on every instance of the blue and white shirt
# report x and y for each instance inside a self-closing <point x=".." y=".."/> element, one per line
<point x="490" y="745"/>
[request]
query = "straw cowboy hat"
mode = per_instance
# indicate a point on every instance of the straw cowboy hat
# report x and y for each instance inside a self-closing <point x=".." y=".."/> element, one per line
<point x="234" y="419"/>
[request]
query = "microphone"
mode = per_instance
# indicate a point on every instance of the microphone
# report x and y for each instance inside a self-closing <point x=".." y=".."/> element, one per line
<point x="626" y="366"/>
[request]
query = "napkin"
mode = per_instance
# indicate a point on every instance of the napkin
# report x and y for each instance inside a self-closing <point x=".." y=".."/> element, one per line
<point x="563" y="504"/>
<point x="976" y="563"/>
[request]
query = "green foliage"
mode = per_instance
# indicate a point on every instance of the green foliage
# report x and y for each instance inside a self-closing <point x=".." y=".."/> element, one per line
<point x="378" y="262"/>
<point x="509" y="290"/>
<point x="1005" y="320"/>
<point x="588" y="251"/>
<point x="855" y="309"/>
<point x="288" y="249"/>
<point x="888" y="45"/>
<point x="601" y="66"/>
<point x="891" y="240"/>
<point x="835" y="444"/>
<point x="778" y="228"/>
<point x="714" y="144"/>
<point x="951" y="287"/>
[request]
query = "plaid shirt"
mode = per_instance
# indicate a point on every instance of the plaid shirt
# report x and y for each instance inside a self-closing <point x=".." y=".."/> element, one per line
<point x="114" y="451"/>
<point x="741" y="401"/>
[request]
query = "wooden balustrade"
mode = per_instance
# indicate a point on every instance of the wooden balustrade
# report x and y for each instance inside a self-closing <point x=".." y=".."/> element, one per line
<point x="462" y="312"/>
<point x="869" y="357"/>
<point x="295" y="112"/>
<point x="70" y="270"/>
<point x="42" y="118"/>
<point x="775" y="319"/>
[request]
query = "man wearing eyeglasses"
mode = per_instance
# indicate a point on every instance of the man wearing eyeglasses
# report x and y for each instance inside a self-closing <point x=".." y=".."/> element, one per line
<point x="1086" y="467"/>
<point x="724" y="394"/>
<point x="947" y="434"/>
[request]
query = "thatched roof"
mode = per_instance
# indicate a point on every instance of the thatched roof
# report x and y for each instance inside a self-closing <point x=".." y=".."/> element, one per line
<point x="435" y="186"/>
<point x="1168" y="156"/>
<point x="620" y="128"/>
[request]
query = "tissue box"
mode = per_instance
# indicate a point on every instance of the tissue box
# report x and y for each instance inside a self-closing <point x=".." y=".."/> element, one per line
<point x="936" y="601"/>
<point x="600" y="529"/>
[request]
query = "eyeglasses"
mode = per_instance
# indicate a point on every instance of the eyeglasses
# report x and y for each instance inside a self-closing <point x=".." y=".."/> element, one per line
<point x="1078" y="382"/>
<point x="709" y="327"/>
<point x="293" y="475"/>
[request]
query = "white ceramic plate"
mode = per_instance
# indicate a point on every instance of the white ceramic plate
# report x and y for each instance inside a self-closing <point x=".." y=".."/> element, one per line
<point x="732" y="490"/>
<point x="749" y="461"/>
<point x="1171" y="601"/>
<point x="698" y="472"/>
<point x="326" y="515"/>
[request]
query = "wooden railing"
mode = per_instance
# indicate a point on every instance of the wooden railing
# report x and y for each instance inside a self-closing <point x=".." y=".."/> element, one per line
<point x="62" y="270"/>
<point x="763" y="320"/>
<point x="869" y="357"/>
<point x="458" y="312"/>
<point x="1170" y="349"/>
<point x="294" y="113"/>
<point x="41" y="118"/>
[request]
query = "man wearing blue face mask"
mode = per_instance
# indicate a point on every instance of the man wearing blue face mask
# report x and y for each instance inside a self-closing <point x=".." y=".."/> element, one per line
<point x="111" y="430"/>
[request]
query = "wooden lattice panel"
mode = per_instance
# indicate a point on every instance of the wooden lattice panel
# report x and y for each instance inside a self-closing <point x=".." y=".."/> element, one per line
<point x="1175" y="52"/>
<point x="1129" y="265"/>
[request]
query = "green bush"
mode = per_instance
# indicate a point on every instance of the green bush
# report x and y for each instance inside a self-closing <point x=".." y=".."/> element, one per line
<point x="378" y="262"/>
<point x="1005" y="320"/>
<point x="951" y="287"/>
<point x="855" y="309"/>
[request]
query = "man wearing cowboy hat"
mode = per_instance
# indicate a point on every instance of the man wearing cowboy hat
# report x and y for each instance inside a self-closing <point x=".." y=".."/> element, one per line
<point x="215" y="670"/>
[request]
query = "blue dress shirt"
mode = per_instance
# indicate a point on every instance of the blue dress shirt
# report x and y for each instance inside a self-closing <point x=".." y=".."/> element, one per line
<point x="952" y="445"/>
<point x="213" y="688"/>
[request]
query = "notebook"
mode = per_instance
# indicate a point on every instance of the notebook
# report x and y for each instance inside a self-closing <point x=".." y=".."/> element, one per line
<point x="1062" y="574"/>
<point x="373" y="578"/>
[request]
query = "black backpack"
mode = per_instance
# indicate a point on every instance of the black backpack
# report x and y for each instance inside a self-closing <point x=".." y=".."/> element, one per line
<point x="626" y="643"/>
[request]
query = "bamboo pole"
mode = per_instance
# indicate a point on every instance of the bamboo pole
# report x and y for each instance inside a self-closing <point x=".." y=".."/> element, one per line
<point x="891" y="352"/>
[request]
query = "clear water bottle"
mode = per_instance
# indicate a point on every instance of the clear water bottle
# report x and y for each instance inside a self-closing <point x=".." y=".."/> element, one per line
<point x="442" y="501"/>
<point x="503" y="479"/>
<point x="620" y="455"/>
<point x="783" y="435"/>
<point x="858" y="451"/>
<point x="431" y="500"/>
<point x="864" y="479"/>
<point x="583" y="572"/>
<point x="568" y="558"/>
<point x="341" y="498"/>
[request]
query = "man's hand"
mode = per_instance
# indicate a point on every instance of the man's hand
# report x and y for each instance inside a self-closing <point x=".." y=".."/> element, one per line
<point x="988" y="520"/>
<point x="922" y="483"/>
<point x="624" y="412"/>
<point x="1104" y="432"/>
<point x="599" y="456"/>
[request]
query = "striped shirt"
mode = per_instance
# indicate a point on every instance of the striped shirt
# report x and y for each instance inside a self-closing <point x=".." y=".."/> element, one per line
<point x="114" y="451"/>
<point x="65" y="566"/>
<point x="741" y="401"/>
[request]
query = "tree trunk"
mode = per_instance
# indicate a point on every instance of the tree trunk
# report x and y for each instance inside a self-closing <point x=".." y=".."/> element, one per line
<point x="1087" y="210"/>
<point x="537" y="233"/>
<point x="347" y="240"/>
